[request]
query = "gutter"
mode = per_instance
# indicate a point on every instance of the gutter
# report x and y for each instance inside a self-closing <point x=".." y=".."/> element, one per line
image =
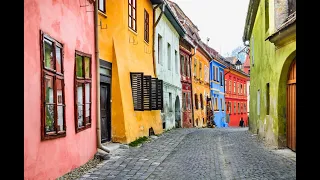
<point x="96" y="44"/>
<point x="251" y="16"/>
<point x="154" y="30"/>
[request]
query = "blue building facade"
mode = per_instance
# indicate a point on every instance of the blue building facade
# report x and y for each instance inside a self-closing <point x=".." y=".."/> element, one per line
<point x="217" y="93"/>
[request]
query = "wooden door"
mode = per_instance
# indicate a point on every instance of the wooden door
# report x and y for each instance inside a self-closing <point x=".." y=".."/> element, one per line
<point x="291" y="107"/>
<point x="105" y="117"/>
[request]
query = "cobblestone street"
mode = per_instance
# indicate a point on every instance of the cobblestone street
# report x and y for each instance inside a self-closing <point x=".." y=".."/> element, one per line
<point x="230" y="153"/>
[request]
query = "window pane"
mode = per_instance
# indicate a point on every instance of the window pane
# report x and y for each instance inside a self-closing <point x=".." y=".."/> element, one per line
<point x="60" y="103"/>
<point x="80" y="103"/>
<point x="49" y="89"/>
<point x="48" y="55"/>
<point x="105" y="71"/>
<point x="134" y="25"/>
<point x="59" y="60"/>
<point x="130" y="14"/>
<point x="49" y="118"/>
<point x="134" y="3"/>
<point x="129" y="1"/>
<point x="101" y="5"/>
<point x="88" y="102"/>
<point x="79" y="66"/>
<point x="129" y="20"/>
<point x="134" y="13"/>
<point x="87" y="67"/>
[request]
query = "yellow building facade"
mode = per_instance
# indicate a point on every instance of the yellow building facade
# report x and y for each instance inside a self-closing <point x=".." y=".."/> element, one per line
<point x="123" y="45"/>
<point x="200" y="86"/>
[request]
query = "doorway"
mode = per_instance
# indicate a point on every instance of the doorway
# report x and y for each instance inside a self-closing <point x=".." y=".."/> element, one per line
<point x="291" y="107"/>
<point x="105" y="118"/>
<point x="177" y="113"/>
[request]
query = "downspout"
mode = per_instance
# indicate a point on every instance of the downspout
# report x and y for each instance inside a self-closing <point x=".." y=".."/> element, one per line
<point x="194" y="53"/>
<point x="154" y="30"/>
<point x="96" y="44"/>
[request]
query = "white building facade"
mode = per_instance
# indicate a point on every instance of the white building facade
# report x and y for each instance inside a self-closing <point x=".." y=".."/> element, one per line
<point x="167" y="63"/>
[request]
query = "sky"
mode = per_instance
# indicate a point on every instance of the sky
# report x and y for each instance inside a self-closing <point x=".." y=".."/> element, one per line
<point x="221" y="20"/>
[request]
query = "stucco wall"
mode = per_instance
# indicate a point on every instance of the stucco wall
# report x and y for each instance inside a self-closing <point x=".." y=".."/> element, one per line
<point x="270" y="66"/>
<point x="71" y="25"/>
<point x="171" y="77"/>
<point x="128" y="52"/>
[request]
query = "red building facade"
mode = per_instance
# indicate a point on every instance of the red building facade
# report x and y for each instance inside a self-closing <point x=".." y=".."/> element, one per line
<point x="185" y="70"/>
<point x="235" y="95"/>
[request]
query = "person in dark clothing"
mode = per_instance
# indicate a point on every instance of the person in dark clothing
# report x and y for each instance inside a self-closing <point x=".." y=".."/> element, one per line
<point x="241" y="122"/>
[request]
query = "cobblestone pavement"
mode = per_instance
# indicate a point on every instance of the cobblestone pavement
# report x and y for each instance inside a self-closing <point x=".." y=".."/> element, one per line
<point x="227" y="153"/>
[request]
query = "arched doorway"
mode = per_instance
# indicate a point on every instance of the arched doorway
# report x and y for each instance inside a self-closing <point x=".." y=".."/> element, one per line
<point x="291" y="107"/>
<point x="177" y="113"/>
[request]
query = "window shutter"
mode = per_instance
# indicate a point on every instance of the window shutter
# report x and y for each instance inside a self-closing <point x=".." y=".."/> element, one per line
<point x="159" y="94"/>
<point x="147" y="92"/>
<point x="154" y="93"/>
<point x="137" y="90"/>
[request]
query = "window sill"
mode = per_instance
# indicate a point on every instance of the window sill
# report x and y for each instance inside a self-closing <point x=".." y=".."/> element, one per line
<point x="49" y="136"/>
<point x="79" y="129"/>
<point x="135" y="33"/>
<point x="102" y="14"/>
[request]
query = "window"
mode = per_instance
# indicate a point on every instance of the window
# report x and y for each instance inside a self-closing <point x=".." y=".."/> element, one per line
<point x="216" y="78"/>
<point x="252" y="51"/>
<point x="169" y="56"/>
<point x="213" y="73"/>
<point x="268" y="98"/>
<point x="258" y="102"/>
<point x="225" y="85"/>
<point x="201" y="101"/>
<point x="221" y="102"/>
<point x="146" y="26"/>
<point x="229" y="106"/>
<point x="187" y="61"/>
<point x="83" y="91"/>
<point x="245" y="107"/>
<point x="241" y="108"/>
<point x="216" y="104"/>
<point x="196" y="103"/>
<point x="132" y="22"/>
<point x="200" y="70"/>
<point x="266" y="2"/>
<point x="234" y="106"/>
<point x="195" y="68"/>
<point x="102" y="5"/>
<point x="159" y="49"/>
<point x="244" y="90"/>
<point x="176" y="61"/>
<point x="189" y="101"/>
<point x="238" y="108"/>
<point x="221" y="80"/>
<point x="146" y="95"/>
<point x="230" y="84"/>
<point x="234" y="87"/>
<point x="53" y="123"/>
<point x="170" y="102"/>
<point x="240" y="88"/>
<point x="182" y="64"/>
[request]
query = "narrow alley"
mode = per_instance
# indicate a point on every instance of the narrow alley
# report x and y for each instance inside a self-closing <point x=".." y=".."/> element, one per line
<point x="227" y="153"/>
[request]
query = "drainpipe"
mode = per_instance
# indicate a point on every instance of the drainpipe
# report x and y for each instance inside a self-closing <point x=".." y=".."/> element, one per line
<point x="96" y="44"/>
<point x="154" y="30"/>
<point x="195" y="50"/>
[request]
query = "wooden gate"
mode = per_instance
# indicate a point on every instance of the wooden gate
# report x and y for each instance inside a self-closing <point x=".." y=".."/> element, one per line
<point x="291" y="107"/>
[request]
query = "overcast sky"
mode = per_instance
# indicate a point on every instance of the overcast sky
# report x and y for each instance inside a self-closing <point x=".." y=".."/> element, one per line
<point x="220" y="20"/>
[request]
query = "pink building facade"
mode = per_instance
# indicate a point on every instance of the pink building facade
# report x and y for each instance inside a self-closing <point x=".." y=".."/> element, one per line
<point x="59" y="87"/>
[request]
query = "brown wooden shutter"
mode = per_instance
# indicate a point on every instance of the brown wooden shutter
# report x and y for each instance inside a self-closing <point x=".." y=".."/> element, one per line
<point x="159" y="94"/>
<point x="147" y="93"/>
<point x="154" y="92"/>
<point x="137" y="90"/>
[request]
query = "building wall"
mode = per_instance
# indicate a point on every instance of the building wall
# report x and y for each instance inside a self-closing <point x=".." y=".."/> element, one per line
<point x="170" y="76"/>
<point x="200" y="86"/>
<point x="271" y="65"/>
<point x="128" y="52"/>
<point x="217" y="92"/>
<point x="239" y="96"/>
<point x="71" y="25"/>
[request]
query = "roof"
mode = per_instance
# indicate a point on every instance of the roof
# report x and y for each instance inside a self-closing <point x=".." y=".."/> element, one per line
<point x="231" y="60"/>
<point x="251" y="16"/>
<point x="168" y="12"/>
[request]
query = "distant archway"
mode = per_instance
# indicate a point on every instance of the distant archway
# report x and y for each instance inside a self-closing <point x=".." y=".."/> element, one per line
<point x="177" y="113"/>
